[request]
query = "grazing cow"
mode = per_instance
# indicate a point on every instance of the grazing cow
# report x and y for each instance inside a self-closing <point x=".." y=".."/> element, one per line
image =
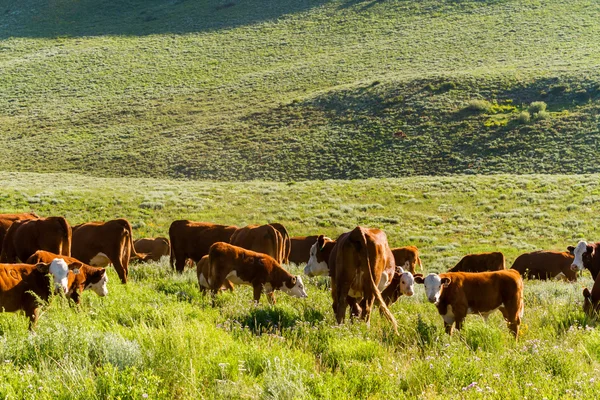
<point x="246" y="267"/>
<point x="407" y="257"/>
<point x="591" y="300"/>
<point x="319" y="257"/>
<point x="192" y="240"/>
<point x="155" y="248"/>
<point x="101" y="243"/>
<point x="481" y="262"/>
<point x="21" y="285"/>
<point x="457" y="294"/>
<point x="286" y="244"/>
<point x="585" y="256"/>
<point x="25" y="237"/>
<point x="202" y="270"/>
<point x="81" y="276"/>
<point x="545" y="265"/>
<point x="402" y="283"/>
<point x="260" y="238"/>
<point x="6" y="221"/>
<point x="300" y="248"/>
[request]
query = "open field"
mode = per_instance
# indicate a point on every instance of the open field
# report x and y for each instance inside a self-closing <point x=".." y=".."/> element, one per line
<point x="158" y="337"/>
<point x="299" y="89"/>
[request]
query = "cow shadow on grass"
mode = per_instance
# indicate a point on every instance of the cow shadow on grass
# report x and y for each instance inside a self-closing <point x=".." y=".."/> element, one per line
<point x="273" y="320"/>
<point x="48" y="19"/>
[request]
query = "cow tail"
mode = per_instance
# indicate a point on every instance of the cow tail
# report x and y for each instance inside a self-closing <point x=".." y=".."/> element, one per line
<point x="420" y="263"/>
<point x="382" y="306"/>
<point x="67" y="237"/>
<point x="129" y="233"/>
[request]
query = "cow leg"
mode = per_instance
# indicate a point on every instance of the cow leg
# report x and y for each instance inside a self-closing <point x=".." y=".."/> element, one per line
<point x="512" y="319"/>
<point x="228" y="285"/>
<point x="459" y="323"/>
<point x="448" y="328"/>
<point x="257" y="292"/>
<point x="33" y="313"/>
<point x="120" y="268"/>
<point x="367" y="311"/>
<point x="342" y="294"/>
<point x="355" y="308"/>
<point x="271" y="297"/>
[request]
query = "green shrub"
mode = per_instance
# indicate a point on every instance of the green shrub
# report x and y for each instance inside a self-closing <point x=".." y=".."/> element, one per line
<point x="542" y="115"/>
<point x="537" y="107"/>
<point x="524" y="117"/>
<point x="479" y="105"/>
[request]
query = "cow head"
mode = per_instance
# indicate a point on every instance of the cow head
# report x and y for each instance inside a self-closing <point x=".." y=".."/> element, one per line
<point x="407" y="282"/>
<point x="294" y="287"/>
<point x="583" y="253"/>
<point x="589" y="307"/>
<point x="97" y="281"/>
<point x="60" y="272"/>
<point x="434" y="285"/>
<point x="317" y="264"/>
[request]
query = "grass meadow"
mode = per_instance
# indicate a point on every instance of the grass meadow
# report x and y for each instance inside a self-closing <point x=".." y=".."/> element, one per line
<point x="157" y="337"/>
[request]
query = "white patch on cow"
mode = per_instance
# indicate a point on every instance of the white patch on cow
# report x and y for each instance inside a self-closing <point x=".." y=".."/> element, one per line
<point x="433" y="286"/>
<point x="579" y="251"/>
<point x="313" y="267"/>
<point x="449" y="316"/>
<point x="60" y="272"/>
<point x="560" y="276"/>
<point x="100" y="260"/>
<point x="100" y="287"/>
<point x="202" y="281"/>
<point x="407" y="284"/>
<point x="297" y="290"/>
<point x="384" y="281"/>
<point x="233" y="278"/>
<point x="355" y="293"/>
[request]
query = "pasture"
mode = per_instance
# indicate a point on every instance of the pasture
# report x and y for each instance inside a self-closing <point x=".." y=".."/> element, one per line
<point x="157" y="337"/>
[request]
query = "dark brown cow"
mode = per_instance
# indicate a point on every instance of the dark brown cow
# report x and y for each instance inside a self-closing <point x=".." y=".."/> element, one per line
<point x="545" y="265"/>
<point x="300" y="248"/>
<point x="6" y="221"/>
<point x="260" y="238"/>
<point x="407" y="257"/>
<point x="202" y="271"/>
<point x="457" y="294"/>
<point x="286" y="245"/>
<point x="591" y="300"/>
<point x="155" y="248"/>
<point x="22" y="284"/>
<point x="481" y="262"/>
<point x="586" y="256"/>
<point x="246" y="267"/>
<point x="101" y="243"/>
<point x="192" y="240"/>
<point x="81" y="276"/>
<point x="25" y="237"/>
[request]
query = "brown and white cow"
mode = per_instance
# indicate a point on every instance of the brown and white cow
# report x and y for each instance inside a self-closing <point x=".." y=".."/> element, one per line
<point x="101" y="243"/>
<point x="300" y="248"/>
<point x="21" y="285"/>
<point x="586" y="256"/>
<point x="260" y="238"/>
<point x="202" y="271"/>
<point x="545" y="265"/>
<point x="153" y="248"/>
<point x="403" y="284"/>
<point x="192" y="240"/>
<point x="6" y="221"/>
<point x="591" y="300"/>
<point x="81" y="276"/>
<point x="480" y="262"/>
<point x="246" y="267"/>
<point x="407" y="257"/>
<point x="25" y="237"/>
<point x="457" y="294"/>
<point x="286" y="245"/>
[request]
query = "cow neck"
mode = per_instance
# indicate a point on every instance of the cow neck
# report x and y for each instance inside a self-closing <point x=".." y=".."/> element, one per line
<point x="277" y="276"/>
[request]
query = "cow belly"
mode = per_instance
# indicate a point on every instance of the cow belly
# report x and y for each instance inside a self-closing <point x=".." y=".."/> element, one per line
<point x="234" y="278"/>
<point x="449" y="316"/>
<point x="100" y="260"/>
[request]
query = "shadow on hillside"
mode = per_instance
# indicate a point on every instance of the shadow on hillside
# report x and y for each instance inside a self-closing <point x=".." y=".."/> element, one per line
<point x="48" y="19"/>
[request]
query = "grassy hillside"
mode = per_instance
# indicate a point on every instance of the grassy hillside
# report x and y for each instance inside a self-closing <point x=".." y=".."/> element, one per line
<point x="157" y="337"/>
<point x="293" y="90"/>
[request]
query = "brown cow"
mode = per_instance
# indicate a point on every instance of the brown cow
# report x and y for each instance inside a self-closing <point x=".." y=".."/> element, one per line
<point x="457" y="294"/>
<point x="81" y="276"/>
<point x="300" y="248"/>
<point x="586" y="256"/>
<point x="246" y="267"/>
<point x="202" y="270"/>
<point x="155" y="248"/>
<point x="286" y="247"/>
<point x="98" y="243"/>
<point x="407" y="257"/>
<point x="402" y="284"/>
<point x="260" y="238"/>
<point x="25" y="237"/>
<point x="481" y="262"/>
<point x="545" y="265"/>
<point x="591" y="300"/>
<point x="192" y="240"/>
<point x="6" y="221"/>
<point x="21" y="285"/>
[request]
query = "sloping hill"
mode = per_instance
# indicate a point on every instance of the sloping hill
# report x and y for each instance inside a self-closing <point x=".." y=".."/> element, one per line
<point x="293" y="90"/>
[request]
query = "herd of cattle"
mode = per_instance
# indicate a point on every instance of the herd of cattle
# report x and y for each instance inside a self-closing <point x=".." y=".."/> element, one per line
<point x="362" y="266"/>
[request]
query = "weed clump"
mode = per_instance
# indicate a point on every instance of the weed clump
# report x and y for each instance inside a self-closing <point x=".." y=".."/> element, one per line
<point x="479" y="105"/>
<point x="537" y="107"/>
<point x="524" y="117"/>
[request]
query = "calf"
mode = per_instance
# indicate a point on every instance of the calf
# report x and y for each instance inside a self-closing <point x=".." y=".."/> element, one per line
<point x="481" y="262"/>
<point x="202" y="269"/>
<point x="152" y="248"/>
<point x="246" y="267"/>
<point x="545" y="265"/>
<point x="457" y="294"/>
<point x="402" y="283"/>
<point x="22" y="284"/>
<point x="586" y="256"/>
<point x="407" y="257"/>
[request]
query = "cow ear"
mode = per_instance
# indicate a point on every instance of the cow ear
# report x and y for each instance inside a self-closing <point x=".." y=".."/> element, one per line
<point x="420" y="276"/>
<point x="399" y="270"/>
<point x="586" y="293"/>
<point x="102" y="271"/>
<point x="43" y="267"/>
<point x="419" y="279"/>
<point x="321" y="242"/>
<point x="589" y="249"/>
<point x="570" y="249"/>
<point x="445" y="281"/>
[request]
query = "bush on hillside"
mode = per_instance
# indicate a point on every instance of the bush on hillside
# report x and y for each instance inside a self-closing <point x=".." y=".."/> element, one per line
<point x="524" y="117"/>
<point x="537" y="107"/>
<point x="479" y="105"/>
<point x="542" y="115"/>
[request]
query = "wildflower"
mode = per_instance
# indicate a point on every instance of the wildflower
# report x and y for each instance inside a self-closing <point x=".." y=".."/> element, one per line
<point x="145" y="395"/>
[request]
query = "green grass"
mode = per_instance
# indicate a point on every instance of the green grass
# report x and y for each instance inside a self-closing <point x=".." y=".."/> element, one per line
<point x="158" y="336"/>
<point x="295" y="90"/>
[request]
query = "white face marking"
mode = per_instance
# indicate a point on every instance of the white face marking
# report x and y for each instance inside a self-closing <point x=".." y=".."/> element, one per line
<point x="313" y="267"/>
<point x="202" y="281"/>
<point x="407" y="284"/>
<point x="60" y="271"/>
<point x="449" y="316"/>
<point x="233" y="278"/>
<point x="433" y="285"/>
<point x="579" y="251"/>
<point x="100" y="287"/>
<point x="297" y="290"/>
<point x="100" y="260"/>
